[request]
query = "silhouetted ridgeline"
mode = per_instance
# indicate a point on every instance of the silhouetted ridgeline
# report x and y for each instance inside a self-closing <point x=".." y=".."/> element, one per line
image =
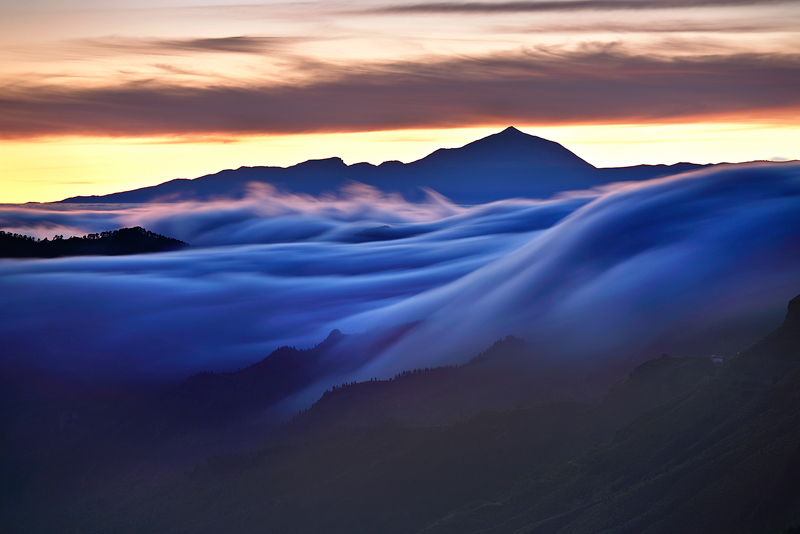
<point x="508" y="374"/>
<point x="217" y="398"/>
<point x="211" y="399"/>
<point x="134" y="240"/>
<point x="507" y="164"/>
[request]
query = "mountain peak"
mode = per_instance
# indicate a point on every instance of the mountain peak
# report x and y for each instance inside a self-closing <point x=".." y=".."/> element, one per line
<point x="513" y="137"/>
<point x="510" y="148"/>
<point x="334" y="335"/>
<point x="511" y="131"/>
<point x="334" y="163"/>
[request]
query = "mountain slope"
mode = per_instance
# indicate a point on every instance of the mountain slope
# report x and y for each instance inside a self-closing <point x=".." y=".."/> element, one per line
<point x="678" y="446"/>
<point x="721" y="456"/>
<point x="783" y="343"/>
<point x="508" y="374"/>
<point x="387" y="477"/>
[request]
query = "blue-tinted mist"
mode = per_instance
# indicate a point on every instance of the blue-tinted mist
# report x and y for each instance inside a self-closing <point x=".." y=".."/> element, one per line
<point x="270" y="270"/>
<point x="642" y="267"/>
<point x="587" y="276"/>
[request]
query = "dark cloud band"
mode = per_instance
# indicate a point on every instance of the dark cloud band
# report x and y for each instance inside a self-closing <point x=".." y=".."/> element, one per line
<point x="239" y="44"/>
<point x="542" y="85"/>
<point x="576" y="5"/>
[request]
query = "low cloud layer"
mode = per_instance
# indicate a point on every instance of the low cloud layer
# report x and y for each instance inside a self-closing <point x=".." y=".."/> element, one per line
<point x="645" y="267"/>
<point x="267" y="271"/>
<point x="585" y="277"/>
<point x="547" y="85"/>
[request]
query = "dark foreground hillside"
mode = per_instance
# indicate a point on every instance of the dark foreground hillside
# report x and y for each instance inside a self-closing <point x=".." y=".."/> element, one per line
<point x="680" y="445"/>
<point x="134" y="240"/>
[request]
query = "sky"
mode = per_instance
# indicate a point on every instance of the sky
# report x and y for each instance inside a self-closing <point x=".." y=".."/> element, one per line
<point x="102" y="96"/>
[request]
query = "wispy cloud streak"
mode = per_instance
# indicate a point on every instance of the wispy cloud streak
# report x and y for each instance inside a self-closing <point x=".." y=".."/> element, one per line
<point x="239" y="44"/>
<point x="675" y="26"/>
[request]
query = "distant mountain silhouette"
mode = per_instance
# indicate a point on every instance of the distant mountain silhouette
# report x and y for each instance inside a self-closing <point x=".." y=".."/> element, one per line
<point x="134" y="240"/>
<point x="503" y="165"/>
<point x="508" y="148"/>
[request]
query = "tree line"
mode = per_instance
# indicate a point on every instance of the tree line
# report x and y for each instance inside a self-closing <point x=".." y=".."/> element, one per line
<point x="135" y="240"/>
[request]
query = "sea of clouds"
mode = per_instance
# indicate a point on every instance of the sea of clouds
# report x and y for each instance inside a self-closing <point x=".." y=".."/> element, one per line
<point x="585" y="276"/>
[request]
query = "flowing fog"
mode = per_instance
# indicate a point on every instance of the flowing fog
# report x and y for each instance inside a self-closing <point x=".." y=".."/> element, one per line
<point x="591" y="275"/>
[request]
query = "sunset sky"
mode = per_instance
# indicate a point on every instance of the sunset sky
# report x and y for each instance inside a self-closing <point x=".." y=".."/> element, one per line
<point x="98" y="96"/>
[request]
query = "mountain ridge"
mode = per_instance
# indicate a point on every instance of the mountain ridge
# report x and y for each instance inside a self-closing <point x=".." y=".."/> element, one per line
<point x="503" y="165"/>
